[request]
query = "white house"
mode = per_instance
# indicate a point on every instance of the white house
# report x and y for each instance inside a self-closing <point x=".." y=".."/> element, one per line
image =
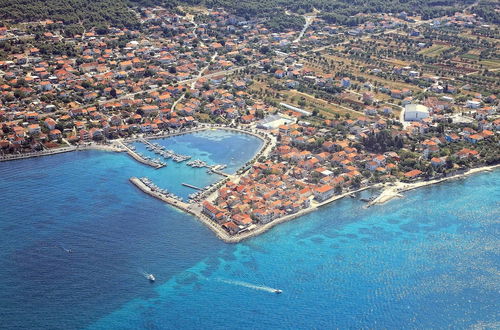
<point x="416" y="112"/>
<point x="473" y="104"/>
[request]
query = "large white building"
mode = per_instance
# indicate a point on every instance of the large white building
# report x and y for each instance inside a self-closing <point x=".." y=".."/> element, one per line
<point x="274" y="121"/>
<point x="416" y="112"/>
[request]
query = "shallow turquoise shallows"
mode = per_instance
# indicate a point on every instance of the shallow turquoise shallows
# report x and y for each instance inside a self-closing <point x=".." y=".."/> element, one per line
<point x="429" y="260"/>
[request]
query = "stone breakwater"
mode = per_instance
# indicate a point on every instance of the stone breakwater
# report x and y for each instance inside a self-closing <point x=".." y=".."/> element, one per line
<point x="140" y="159"/>
<point x="193" y="209"/>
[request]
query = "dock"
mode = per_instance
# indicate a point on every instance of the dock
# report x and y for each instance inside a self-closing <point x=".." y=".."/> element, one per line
<point x="160" y="150"/>
<point x="221" y="173"/>
<point x="191" y="186"/>
<point x="146" y="142"/>
<point x="137" y="157"/>
<point x="169" y="200"/>
<point x="192" y="209"/>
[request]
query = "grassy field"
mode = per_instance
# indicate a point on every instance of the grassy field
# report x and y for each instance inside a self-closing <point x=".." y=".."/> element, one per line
<point x="434" y="50"/>
<point x="491" y="64"/>
<point x="292" y="97"/>
<point x="470" y="57"/>
<point x="388" y="83"/>
<point x="397" y="62"/>
<point x="330" y="109"/>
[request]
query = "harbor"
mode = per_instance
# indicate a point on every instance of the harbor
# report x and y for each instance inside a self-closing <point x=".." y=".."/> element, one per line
<point x="162" y="152"/>
<point x="193" y="209"/>
<point x="154" y="188"/>
<point x="156" y="163"/>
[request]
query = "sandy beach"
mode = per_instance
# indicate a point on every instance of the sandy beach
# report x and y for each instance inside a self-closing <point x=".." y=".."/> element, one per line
<point x="394" y="190"/>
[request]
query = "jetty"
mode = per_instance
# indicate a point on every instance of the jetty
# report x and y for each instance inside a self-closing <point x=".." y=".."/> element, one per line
<point x="194" y="209"/>
<point x="191" y="186"/>
<point x="161" y="151"/>
<point x="218" y="170"/>
<point x="143" y="185"/>
<point x="153" y="163"/>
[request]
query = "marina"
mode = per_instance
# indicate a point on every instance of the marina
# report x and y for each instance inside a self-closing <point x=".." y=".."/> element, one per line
<point x="349" y="152"/>
<point x="154" y="188"/>
<point x="156" y="163"/>
<point x="163" y="152"/>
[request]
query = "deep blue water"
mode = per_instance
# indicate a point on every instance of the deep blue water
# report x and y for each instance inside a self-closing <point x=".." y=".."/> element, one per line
<point x="429" y="260"/>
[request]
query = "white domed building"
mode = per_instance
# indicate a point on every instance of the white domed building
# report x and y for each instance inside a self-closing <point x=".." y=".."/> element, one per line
<point x="416" y="112"/>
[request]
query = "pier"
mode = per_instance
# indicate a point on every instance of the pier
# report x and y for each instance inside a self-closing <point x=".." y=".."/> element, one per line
<point x="140" y="159"/>
<point x="194" y="209"/>
<point x="161" y="151"/>
<point x="172" y="201"/>
<point x="191" y="186"/>
<point x="219" y="172"/>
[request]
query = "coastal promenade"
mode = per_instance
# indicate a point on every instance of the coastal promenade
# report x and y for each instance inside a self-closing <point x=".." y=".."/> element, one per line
<point x="37" y="154"/>
<point x="89" y="146"/>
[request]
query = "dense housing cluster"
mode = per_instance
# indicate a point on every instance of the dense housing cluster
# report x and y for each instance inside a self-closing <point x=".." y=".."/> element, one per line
<point x="391" y="98"/>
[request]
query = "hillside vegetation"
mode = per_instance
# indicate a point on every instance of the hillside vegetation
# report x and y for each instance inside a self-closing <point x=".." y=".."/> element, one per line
<point x="85" y="12"/>
<point x="345" y="12"/>
<point x="342" y="11"/>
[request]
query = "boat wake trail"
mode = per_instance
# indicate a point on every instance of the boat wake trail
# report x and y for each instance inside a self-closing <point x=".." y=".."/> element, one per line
<point x="146" y="275"/>
<point x="249" y="285"/>
<point x="142" y="272"/>
<point x="64" y="249"/>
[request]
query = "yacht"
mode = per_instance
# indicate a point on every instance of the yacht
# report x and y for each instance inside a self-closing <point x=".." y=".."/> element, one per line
<point x="151" y="277"/>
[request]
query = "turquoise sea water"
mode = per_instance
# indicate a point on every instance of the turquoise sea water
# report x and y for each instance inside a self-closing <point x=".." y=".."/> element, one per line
<point x="429" y="260"/>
